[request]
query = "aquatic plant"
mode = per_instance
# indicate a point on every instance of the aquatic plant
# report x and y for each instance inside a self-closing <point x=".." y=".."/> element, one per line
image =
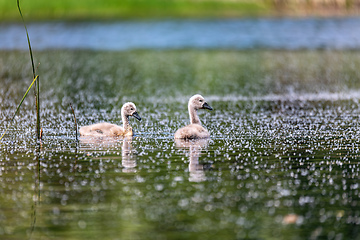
<point x="76" y="127"/>
<point x="37" y="85"/>
<point x="17" y="109"/>
<point x="36" y="90"/>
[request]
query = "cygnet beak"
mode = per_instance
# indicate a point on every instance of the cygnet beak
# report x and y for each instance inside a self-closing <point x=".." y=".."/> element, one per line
<point x="207" y="106"/>
<point x="137" y="116"/>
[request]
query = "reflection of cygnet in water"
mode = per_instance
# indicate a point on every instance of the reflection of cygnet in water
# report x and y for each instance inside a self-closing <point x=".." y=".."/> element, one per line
<point x="90" y="142"/>
<point x="196" y="169"/>
<point x="128" y="158"/>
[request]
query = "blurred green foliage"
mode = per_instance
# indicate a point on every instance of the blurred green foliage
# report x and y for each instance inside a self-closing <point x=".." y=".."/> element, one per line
<point x="123" y="9"/>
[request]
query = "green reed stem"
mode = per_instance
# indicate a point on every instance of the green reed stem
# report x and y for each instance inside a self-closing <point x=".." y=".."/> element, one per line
<point x="37" y="89"/>
<point x="76" y="127"/>
<point x="18" y="107"/>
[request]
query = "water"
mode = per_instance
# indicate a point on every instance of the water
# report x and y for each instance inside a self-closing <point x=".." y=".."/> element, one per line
<point x="287" y="170"/>
<point x="282" y="161"/>
<point x="287" y="33"/>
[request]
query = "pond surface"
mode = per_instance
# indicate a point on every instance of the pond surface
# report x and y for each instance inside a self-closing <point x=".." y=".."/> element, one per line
<point x="286" y="33"/>
<point x="282" y="161"/>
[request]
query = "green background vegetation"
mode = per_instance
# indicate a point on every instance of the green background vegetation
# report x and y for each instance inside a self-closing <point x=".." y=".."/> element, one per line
<point x="70" y="10"/>
<point x="117" y="9"/>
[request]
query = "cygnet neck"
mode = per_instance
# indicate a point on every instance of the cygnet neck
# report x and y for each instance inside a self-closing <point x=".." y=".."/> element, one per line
<point x="125" y="120"/>
<point x="194" y="119"/>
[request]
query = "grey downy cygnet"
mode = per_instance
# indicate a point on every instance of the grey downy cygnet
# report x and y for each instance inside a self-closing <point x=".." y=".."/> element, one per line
<point x="194" y="130"/>
<point x="109" y="129"/>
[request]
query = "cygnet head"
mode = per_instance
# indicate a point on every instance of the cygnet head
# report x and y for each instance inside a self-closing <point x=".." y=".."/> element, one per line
<point x="198" y="102"/>
<point x="129" y="109"/>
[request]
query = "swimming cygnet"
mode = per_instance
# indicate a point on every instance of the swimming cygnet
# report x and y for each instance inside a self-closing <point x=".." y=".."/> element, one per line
<point x="194" y="129"/>
<point x="108" y="129"/>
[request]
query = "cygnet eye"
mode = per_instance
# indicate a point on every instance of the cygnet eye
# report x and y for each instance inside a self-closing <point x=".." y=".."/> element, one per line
<point x="131" y="109"/>
<point x="200" y="100"/>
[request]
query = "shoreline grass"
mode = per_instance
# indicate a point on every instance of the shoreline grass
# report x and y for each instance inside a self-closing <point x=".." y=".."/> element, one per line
<point x="38" y="10"/>
<point x="107" y="10"/>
